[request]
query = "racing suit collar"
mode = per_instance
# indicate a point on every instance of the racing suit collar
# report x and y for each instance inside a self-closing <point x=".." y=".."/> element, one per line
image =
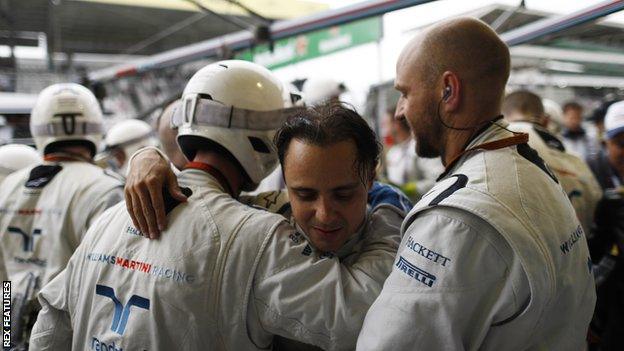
<point x="347" y="247"/>
<point x="57" y="157"/>
<point x="495" y="136"/>
<point x="197" y="177"/>
<point x="215" y="173"/>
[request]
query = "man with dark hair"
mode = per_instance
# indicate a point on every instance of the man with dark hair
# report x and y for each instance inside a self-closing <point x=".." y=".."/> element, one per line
<point x="329" y="157"/>
<point x="240" y="275"/>
<point x="331" y="206"/>
<point x="493" y="257"/>
<point x="575" y="138"/>
<point x="525" y="112"/>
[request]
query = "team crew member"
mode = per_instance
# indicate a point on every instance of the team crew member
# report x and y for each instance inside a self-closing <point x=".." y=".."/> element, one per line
<point x="240" y="274"/>
<point x="124" y="139"/>
<point x="493" y="258"/>
<point x="14" y="157"/>
<point x="607" y="246"/>
<point x="46" y="209"/>
<point x="525" y="112"/>
<point x="576" y="139"/>
<point x="328" y="208"/>
<point x="318" y="91"/>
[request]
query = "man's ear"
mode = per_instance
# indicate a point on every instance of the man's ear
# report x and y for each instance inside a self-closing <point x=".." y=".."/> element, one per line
<point x="371" y="180"/>
<point x="120" y="156"/>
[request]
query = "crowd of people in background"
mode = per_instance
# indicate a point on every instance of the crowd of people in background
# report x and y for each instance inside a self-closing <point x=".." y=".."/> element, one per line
<point x="328" y="190"/>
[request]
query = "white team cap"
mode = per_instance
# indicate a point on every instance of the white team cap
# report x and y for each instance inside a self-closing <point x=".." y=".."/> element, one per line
<point x="614" y="120"/>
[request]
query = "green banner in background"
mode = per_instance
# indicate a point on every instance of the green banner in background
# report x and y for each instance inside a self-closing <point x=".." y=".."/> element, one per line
<point x="314" y="44"/>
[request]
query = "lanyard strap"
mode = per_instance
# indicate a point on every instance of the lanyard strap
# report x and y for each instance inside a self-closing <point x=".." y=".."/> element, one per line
<point x="520" y="138"/>
<point x="213" y="172"/>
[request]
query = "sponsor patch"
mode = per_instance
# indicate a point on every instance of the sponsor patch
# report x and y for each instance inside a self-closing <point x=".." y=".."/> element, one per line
<point x="295" y="237"/>
<point x="133" y="231"/>
<point x="420" y="275"/>
<point x="159" y="272"/>
<point x="427" y="253"/>
<point x="97" y="345"/>
<point x="574" y="237"/>
<point x="40" y="176"/>
<point x="122" y="312"/>
<point x="307" y="250"/>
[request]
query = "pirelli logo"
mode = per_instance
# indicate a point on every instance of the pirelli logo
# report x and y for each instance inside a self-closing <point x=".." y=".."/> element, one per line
<point x="408" y="268"/>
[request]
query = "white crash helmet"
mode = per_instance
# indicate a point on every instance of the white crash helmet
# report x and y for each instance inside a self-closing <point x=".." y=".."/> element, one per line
<point x="292" y="96"/>
<point x="319" y="90"/>
<point x="14" y="157"/>
<point x="129" y="135"/>
<point x="553" y="111"/>
<point x="237" y="105"/>
<point x="66" y="112"/>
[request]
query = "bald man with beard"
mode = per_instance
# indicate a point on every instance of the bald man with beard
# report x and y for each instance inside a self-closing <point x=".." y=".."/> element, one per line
<point x="493" y="257"/>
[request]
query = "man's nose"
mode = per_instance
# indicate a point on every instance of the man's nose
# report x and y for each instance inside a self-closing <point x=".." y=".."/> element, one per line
<point x="325" y="212"/>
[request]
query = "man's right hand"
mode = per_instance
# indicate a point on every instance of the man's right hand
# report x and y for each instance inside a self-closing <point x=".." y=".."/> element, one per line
<point x="148" y="175"/>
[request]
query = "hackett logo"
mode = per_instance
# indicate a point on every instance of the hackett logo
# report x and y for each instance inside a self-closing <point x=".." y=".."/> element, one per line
<point x="122" y="313"/>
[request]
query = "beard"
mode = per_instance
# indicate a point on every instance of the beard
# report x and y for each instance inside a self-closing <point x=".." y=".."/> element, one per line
<point x="428" y="134"/>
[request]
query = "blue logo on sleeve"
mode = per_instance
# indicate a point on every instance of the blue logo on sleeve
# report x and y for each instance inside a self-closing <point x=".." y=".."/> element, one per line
<point x="408" y="268"/>
<point x="120" y="317"/>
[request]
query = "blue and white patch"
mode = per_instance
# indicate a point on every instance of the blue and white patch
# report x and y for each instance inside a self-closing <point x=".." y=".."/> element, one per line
<point x="296" y="237"/>
<point x="420" y="275"/>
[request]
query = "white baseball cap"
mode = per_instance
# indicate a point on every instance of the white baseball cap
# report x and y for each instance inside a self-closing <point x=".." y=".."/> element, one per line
<point x="614" y="120"/>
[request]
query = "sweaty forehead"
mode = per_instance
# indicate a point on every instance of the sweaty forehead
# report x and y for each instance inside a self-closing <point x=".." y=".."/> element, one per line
<point x="310" y="165"/>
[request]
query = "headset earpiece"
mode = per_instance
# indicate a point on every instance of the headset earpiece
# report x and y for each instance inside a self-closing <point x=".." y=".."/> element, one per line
<point x="447" y="93"/>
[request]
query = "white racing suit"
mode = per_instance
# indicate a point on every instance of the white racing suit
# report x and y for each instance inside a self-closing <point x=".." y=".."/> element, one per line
<point x="223" y="276"/>
<point x="493" y="258"/>
<point x="381" y="218"/>
<point x="573" y="173"/>
<point x="44" y="212"/>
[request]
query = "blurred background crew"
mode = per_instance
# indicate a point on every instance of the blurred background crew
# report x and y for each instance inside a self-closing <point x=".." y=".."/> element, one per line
<point x="608" y="165"/>
<point x="525" y="112"/>
<point x="608" y="242"/>
<point x="598" y="119"/>
<point x="414" y="175"/>
<point x="124" y="139"/>
<point x="322" y="90"/>
<point x="14" y="157"/>
<point x="575" y="138"/>
<point x="554" y="114"/>
<point x="6" y="131"/>
<point x="47" y="209"/>
<point x="168" y="135"/>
